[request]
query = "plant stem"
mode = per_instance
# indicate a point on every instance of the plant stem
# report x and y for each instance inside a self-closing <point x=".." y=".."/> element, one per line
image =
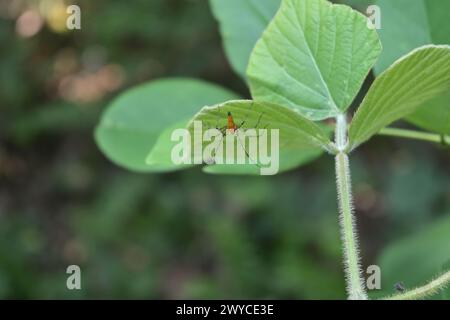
<point x="417" y="135"/>
<point x="355" y="286"/>
<point x="427" y="290"/>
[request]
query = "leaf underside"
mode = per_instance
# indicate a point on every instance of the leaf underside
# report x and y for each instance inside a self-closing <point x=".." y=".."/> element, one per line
<point x="414" y="79"/>
<point x="433" y="115"/>
<point x="300" y="140"/>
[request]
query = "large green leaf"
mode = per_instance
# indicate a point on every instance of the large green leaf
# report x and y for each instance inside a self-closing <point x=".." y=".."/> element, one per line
<point x="414" y="79"/>
<point x="416" y="259"/>
<point x="241" y="25"/>
<point x="300" y="140"/>
<point x="132" y="123"/>
<point x="434" y="115"/>
<point x="408" y="24"/>
<point x="313" y="57"/>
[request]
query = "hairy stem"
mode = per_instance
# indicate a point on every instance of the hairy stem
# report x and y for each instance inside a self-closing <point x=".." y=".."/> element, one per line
<point x="355" y="284"/>
<point x="427" y="290"/>
<point x="417" y="135"/>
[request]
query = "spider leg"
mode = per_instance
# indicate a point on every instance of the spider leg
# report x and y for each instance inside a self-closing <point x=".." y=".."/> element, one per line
<point x="257" y="125"/>
<point x="223" y="130"/>
<point x="212" y="160"/>
<point x="259" y="120"/>
<point x="246" y="152"/>
<point x="246" y="116"/>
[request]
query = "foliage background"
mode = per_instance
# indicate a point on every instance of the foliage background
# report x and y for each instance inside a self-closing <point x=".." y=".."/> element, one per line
<point x="178" y="235"/>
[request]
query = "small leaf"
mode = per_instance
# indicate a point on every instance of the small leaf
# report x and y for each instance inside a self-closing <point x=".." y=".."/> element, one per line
<point x="132" y="123"/>
<point x="414" y="79"/>
<point x="241" y="24"/>
<point x="300" y="140"/>
<point x="313" y="57"/>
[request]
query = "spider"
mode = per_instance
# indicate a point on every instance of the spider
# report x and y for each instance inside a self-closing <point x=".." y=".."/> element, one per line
<point x="232" y="127"/>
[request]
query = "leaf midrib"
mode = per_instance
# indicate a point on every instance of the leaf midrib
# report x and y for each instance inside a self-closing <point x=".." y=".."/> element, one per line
<point x="313" y="58"/>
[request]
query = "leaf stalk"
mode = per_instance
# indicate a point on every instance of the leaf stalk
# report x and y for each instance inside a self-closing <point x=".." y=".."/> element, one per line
<point x="417" y="135"/>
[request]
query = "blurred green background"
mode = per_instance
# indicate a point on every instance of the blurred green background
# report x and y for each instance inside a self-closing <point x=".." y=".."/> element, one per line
<point x="185" y="234"/>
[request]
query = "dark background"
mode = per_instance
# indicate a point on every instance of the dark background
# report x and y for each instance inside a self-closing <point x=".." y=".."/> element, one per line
<point x="180" y="235"/>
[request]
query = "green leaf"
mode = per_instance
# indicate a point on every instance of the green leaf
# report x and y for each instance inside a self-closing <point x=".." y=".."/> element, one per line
<point x="313" y="57"/>
<point x="289" y="159"/>
<point x="241" y="24"/>
<point x="159" y="159"/>
<point x="414" y="79"/>
<point x="300" y="140"/>
<point x="408" y="24"/>
<point x="132" y="123"/>
<point x="417" y="259"/>
<point x="434" y="115"/>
